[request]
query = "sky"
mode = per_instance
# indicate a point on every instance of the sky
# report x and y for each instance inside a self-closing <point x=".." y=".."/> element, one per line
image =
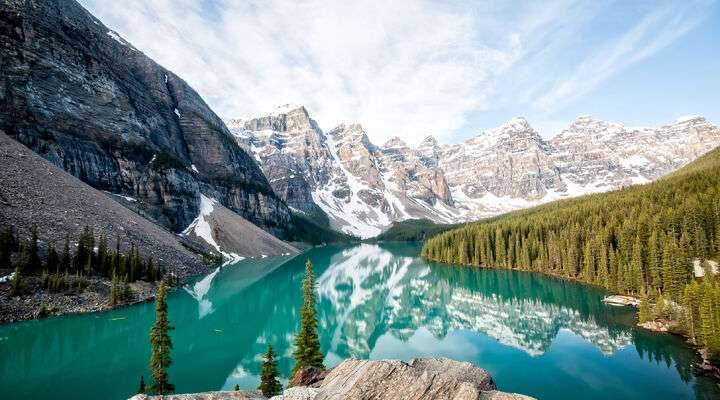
<point x="450" y="69"/>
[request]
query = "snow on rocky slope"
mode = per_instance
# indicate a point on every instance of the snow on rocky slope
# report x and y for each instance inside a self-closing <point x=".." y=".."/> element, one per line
<point x="361" y="188"/>
<point x="229" y="235"/>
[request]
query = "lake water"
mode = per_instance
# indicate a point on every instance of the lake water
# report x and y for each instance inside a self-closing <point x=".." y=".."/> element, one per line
<point x="541" y="336"/>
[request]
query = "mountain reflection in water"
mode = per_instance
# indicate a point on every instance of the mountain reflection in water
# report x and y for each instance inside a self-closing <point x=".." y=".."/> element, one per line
<point x="374" y="301"/>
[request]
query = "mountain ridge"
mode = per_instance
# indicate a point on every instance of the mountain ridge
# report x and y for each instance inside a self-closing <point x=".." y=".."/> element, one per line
<point x="362" y="188"/>
<point x="85" y="99"/>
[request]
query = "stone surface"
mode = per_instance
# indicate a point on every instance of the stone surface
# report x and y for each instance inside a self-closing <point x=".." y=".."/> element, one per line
<point x="309" y="376"/>
<point x="421" y="379"/>
<point x="226" y="395"/>
<point x="434" y="378"/>
<point x="298" y="393"/>
<point x="82" y="97"/>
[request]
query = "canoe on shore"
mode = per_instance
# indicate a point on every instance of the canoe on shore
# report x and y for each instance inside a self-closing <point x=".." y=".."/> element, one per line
<point x="621" y="300"/>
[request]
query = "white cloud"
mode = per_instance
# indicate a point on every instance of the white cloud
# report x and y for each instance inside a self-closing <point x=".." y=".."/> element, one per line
<point x="652" y="33"/>
<point x="401" y="68"/>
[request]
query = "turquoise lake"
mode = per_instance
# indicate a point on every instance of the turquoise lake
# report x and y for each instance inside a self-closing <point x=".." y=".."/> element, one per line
<point x="541" y="336"/>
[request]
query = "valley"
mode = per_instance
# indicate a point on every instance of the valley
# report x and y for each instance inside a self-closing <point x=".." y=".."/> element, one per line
<point x="149" y="233"/>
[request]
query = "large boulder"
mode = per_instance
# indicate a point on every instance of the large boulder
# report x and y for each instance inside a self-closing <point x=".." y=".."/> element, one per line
<point x="421" y="379"/>
<point x="430" y="378"/>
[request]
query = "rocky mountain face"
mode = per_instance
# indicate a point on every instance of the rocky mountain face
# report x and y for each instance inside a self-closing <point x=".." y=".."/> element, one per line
<point x="341" y="177"/>
<point x="83" y="98"/>
<point x="361" y="188"/>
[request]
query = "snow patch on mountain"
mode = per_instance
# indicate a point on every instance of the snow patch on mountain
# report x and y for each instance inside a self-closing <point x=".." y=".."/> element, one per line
<point x="202" y="229"/>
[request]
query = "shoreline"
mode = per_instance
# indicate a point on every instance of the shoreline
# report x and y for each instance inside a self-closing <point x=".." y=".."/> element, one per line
<point x="657" y="326"/>
<point x="42" y="304"/>
<point x="704" y="367"/>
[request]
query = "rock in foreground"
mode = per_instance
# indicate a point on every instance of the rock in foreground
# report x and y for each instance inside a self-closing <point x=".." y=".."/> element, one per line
<point x="422" y="378"/>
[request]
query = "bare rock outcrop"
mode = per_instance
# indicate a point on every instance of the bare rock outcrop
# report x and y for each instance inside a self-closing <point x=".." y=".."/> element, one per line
<point x="420" y="379"/>
<point x="225" y="395"/>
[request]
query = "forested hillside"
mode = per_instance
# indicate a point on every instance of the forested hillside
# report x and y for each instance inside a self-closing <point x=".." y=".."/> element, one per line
<point x="412" y="230"/>
<point x="638" y="240"/>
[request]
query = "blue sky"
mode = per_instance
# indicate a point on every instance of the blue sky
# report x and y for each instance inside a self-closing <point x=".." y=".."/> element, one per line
<point x="447" y="68"/>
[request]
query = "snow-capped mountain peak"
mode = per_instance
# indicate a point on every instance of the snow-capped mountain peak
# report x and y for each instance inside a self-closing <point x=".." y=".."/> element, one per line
<point x="362" y="188"/>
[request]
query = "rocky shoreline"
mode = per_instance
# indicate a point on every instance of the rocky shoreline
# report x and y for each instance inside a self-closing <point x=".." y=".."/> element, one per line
<point x="420" y="379"/>
<point x="93" y="298"/>
<point x="705" y="367"/>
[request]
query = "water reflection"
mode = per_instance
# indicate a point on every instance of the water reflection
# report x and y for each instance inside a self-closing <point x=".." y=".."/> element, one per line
<point x="374" y="301"/>
<point x="374" y="292"/>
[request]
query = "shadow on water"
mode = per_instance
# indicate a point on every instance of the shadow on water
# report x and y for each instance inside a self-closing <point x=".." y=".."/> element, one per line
<point x="537" y="335"/>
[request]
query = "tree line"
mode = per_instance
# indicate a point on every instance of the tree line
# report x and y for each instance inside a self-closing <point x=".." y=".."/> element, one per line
<point x="639" y="240"/>
<point x="67" y="270"/>
<point x="307" y="344"/>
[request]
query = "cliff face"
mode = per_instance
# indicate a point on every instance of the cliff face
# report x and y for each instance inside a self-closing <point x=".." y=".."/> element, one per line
<point x="80" y="96"/>
<point x="340" y="176"/>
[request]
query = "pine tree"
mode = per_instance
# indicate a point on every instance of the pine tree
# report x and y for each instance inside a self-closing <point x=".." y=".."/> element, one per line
<point x="161" y="345"/>
<point x="114" y="290"/>
<point x="141" y="388"/>
<point x="7" y="246"/>
<point x="67" y="258"/>
<point x="636" y="269"/>
<point x="53" y="261"/>
<point x="102" y="257"/>
<point x="17" y="285"/>
<point x="269" y="384"/>
<point x="307" y="344"/>
<point x="33" y="261"/>
<point x="644" y="310"/>
<point x="653" y="261"/>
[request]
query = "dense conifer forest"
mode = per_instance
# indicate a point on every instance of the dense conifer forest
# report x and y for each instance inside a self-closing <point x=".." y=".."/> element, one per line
<point x="639" y="240"/>
<point x="412" y="230"/>
<point x="66" y="269"/>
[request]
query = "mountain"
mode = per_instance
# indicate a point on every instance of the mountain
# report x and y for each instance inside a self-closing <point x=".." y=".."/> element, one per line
<point x="341" y="178"/>
<point x="85" y="99"/>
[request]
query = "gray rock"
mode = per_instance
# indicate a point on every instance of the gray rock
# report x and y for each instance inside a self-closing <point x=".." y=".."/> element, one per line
<point x="225" y="395"/>
<point x="298" y="393"/>
<point x="422" y="378"/>
<point x="434" y="378"/>
<point x="34" y="191"/>
<point x="79" y="95"/>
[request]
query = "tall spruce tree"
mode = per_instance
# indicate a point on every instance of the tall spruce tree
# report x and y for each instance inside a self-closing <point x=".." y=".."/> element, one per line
<point x="67" y="258"/>
<point x="141" y="387"/>
<point x="33" y="263"/>
<point x="7" y="246"/>
<point x="307" y="343"/>
<point x="269" y="384"/>
<point x="53" y="262"/>
<point x="161" y="345"/>
<point x="17" y="284"/>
